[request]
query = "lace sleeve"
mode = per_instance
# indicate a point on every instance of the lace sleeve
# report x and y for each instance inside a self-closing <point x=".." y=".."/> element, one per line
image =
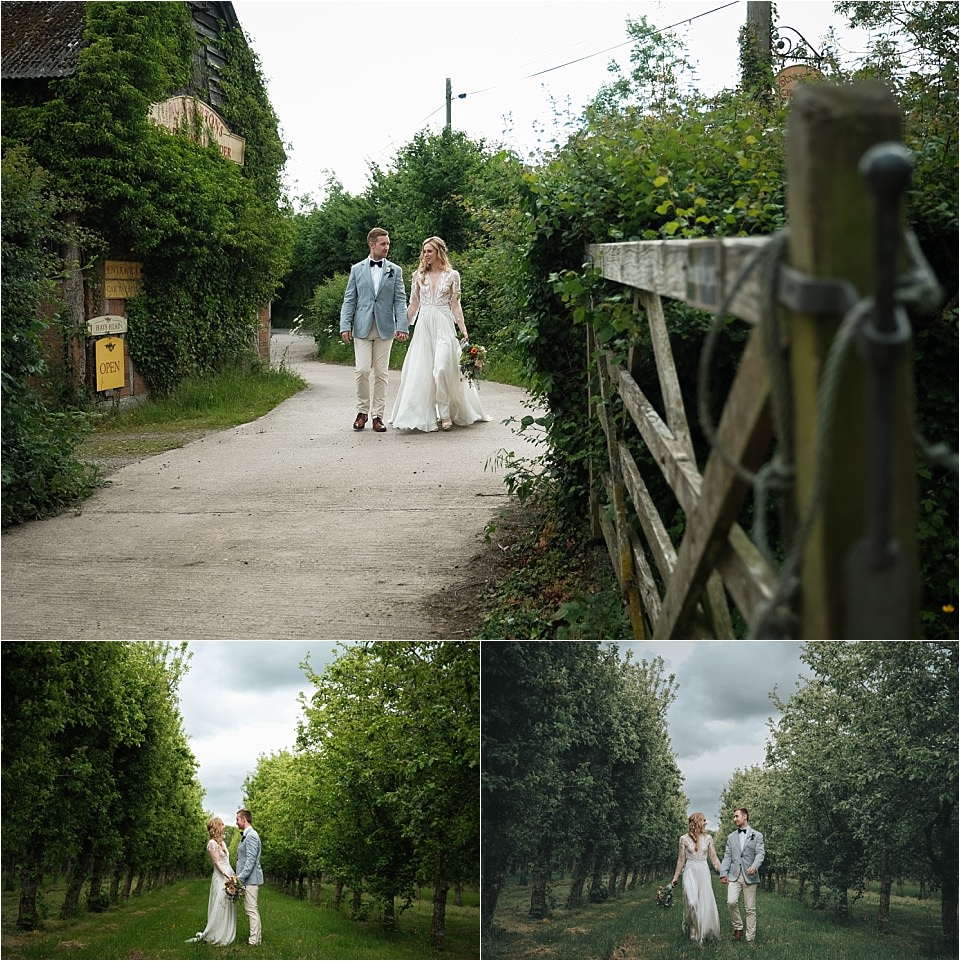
<point x="712" y="853"/>
<point x="681" y="860"/>
<point x="414" y="296"/>
<point x="455" y="304"/>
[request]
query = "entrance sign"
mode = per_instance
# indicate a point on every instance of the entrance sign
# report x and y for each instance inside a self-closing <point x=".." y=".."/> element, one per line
<point x="121" y="279"/>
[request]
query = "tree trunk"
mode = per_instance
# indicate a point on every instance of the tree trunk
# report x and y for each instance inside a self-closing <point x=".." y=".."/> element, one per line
<point x="843" y="904"/>
<point x="337" y="894"/>
<point x="598" y="891"/>
<point x="30" y="876"/>
<point x="524" y="879"/>
<point x="115" y="884"/>
<point x="76" y="347"/>
<point x="538" y="895"/>
<point x="579" y="877"/>
<point x="883" y="910"/>
<point x="438" y="923"/>
<point x="389" y="922"/>
<point x="634" y="878"/>
<point x="491" y="884"/>
<point x="612" y="883"/>
<point x="71" y="900"/>
<point x="127" y="881"/>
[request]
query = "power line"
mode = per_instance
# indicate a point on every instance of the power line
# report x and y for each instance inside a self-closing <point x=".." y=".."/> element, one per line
<point x="589" y="56"/>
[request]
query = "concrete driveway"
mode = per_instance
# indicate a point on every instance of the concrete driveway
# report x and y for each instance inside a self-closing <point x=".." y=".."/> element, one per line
<point x="294" y="526"/>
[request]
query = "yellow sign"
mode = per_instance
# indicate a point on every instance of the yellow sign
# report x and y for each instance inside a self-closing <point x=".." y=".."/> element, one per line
<point x="121" y="279"/>
<point x="199" y="122"/>
<point x="107" y="324"/>
<point x="110" y="365"/>
<point x="121" y="289"/>
<point x="122" y="269"/>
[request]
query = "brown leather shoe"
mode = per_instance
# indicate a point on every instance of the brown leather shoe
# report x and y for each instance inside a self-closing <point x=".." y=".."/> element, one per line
<point x="378" y="425"/>
<point x="360" y="422"/>
<point x="737" y="935"/>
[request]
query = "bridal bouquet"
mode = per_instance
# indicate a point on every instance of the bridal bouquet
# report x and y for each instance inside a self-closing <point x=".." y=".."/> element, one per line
<point x="234" y="888"/>
<point x="472" y="359"/>
<point x="665" y="896"/>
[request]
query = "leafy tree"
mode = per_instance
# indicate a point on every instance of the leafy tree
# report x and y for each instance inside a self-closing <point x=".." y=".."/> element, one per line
<point x="870" y="738"/>
<point x="41" y="474"/>
<point x="392" y="733"/>
<point x="109" y="754"/>
<point x="575" y="758"/>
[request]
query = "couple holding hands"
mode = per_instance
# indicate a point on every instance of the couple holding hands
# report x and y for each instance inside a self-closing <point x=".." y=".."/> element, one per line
<point x="739" y="871"/>
<point x="375" y="313"/>
<point x="228" y="886"/>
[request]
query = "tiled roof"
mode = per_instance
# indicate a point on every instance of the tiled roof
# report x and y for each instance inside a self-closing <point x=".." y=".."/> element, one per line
<point x="40" y="39"/>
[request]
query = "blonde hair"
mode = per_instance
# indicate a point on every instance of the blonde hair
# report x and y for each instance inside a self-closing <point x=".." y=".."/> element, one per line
<point x="442" y="254"/>
<point x="696" y="827"/>
<point x="215" y="829"/>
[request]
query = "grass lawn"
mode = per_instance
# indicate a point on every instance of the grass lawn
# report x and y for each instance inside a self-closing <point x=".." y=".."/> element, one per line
<point x="156" y="925"/>
<point x="632" y="926"/>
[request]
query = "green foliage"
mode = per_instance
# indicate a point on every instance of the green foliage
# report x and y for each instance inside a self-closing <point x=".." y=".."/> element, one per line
<point x="386" y="770"/>
<point x="577" y="767"/>
<point x="111" y="746"/>
<point x="329" y="239"/>
<point x="41" y="475"/>
<point x="322" y="315"/>
<point x="872" y="731"/>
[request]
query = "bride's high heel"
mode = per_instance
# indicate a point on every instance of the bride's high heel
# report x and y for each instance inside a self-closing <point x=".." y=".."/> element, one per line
<point x="446" y="424"/>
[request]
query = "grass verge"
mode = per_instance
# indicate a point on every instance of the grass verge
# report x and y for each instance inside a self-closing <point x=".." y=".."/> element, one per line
<point x="199" y="405"/>
<point x="157" y="924"/>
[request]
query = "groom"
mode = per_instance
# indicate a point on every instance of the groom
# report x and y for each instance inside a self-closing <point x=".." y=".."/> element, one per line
<point x="374" y="311"/>
<point x="739" y="870"/>
<point x="249" y="871"/>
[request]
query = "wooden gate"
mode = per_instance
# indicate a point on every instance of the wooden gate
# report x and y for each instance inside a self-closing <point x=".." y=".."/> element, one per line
<point x="844" y="432"/>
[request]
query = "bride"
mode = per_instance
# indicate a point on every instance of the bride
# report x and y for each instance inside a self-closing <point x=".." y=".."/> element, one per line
<point x="431" y="392"/>
<point x="701" y="919"/>
<point x="221" y="926"/>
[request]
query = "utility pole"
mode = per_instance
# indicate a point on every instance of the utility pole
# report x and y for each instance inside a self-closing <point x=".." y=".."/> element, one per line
<point x="450" y="99"/>
<point x="760" y="27"/>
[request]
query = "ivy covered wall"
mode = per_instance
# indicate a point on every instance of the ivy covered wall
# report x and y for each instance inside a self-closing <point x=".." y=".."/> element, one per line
<point x="213" y="237"/>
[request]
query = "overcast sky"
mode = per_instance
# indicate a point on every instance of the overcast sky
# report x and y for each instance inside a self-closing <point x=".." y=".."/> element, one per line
<point x="718" y="722"/>
<point x="352" y="82"/>
<point x="239" y="701"/>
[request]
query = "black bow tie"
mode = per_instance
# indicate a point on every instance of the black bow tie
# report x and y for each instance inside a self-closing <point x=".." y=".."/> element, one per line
<point x="741" y="830"/>
<point x="376" y="263"/>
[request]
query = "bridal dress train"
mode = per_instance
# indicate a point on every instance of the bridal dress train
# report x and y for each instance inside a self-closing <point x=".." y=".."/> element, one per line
<point x="701" y="919"/>
<point x="430" y="386"/>
<point x="221" y="926"/>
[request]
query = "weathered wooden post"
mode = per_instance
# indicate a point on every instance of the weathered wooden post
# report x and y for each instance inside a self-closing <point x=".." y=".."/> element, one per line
<point x="831" y="213"/>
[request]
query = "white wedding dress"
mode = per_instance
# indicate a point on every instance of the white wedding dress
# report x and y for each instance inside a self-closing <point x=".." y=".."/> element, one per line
<point x="700" y="919"/>
<point x="430" y="384"/>
<point x="221" y="926"/>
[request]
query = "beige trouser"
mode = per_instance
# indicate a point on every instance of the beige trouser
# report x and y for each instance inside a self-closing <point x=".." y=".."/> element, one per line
<point x="749" y="903"/>
<point x="251" y="898"/>
<point x="372" y="355"/>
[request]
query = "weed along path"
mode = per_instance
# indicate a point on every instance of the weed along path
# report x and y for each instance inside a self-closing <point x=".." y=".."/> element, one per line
<point x="292" y="526"/>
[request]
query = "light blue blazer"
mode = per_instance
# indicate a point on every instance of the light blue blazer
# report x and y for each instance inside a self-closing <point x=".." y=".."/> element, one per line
<point x="248" y="858"/>
<point x="362" y="307"/>
<point x="736" y="861"/>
